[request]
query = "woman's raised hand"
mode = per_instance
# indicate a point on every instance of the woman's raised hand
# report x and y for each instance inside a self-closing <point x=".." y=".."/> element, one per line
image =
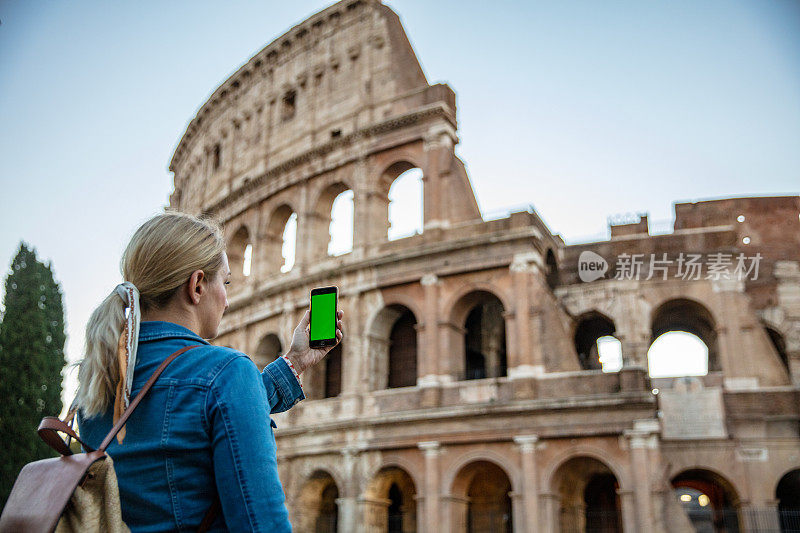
<point x="300" y="353"/>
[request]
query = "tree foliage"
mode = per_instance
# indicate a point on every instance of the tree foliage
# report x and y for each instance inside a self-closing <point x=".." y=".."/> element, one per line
<point x="31" y="359"/>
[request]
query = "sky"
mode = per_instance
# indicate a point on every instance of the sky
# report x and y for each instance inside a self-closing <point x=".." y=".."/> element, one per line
<point x="582" y="109"/>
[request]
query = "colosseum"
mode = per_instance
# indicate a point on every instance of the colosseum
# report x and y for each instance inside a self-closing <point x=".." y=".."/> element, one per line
<point x="470" y="393"/>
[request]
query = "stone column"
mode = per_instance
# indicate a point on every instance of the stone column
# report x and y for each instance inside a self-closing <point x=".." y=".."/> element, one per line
<point x="428" y="371"/>
<point x="551" y="503"/>
<point x="370" y="223"/>
<point x="346" y="508"/>
<point x="438" y="148"/>
<point x="454" y="515"/>
<point x="530" y="484"/>
<point x="517" y="509"/>
<point x="518" y="353"/>
<point x="431" y="517"/>
<point x="311" y="239"/>
<point x="347" y="503"/>
<point x="536" y="360"/>
<point x="512" y="345"/>
<point x="632" y="332"/>
<point x="628" y="504"/>
<point x="641" y="440"/>
<point x="730" y="338"/>
<point x="374" y="515"/>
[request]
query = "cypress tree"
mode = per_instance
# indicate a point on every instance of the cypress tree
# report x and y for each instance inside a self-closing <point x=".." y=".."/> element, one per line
<point x="31" y="359"/>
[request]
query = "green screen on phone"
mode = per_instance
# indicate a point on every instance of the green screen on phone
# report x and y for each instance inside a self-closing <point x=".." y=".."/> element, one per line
<point x="323" y="316"/>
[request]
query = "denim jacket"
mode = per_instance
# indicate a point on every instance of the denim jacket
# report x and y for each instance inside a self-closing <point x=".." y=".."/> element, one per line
<point x="202" y="430"/>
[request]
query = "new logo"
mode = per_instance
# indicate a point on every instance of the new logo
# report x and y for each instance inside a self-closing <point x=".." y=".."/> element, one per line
<point x="591" y="266"/>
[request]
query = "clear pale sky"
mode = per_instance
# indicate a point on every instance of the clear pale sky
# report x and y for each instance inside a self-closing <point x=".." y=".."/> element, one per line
<point x="583" y="109"/>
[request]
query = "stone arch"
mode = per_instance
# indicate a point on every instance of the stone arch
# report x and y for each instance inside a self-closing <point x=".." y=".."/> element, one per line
<point x="592" y="452"/>
<point x="689" y="316"/>
<point x="390" y="175"/>
<point x="273" y="242"/>
<point x="321" y="215"/>
<point x="317" y="509"/>
<point x="268" y="349"/>
<point x="586" y="490"/>
<point x="589" y="328"/>
<point x="722" y="499"/>
<point x="390" y="501"/>
<point x="391" y="460"/>
<point x="454" y="306"/>
<point x="236" y="249"/>
<point x="480" y="318"/>
<point x="787" y="493"/>
<point x="511" y="468"/>
<point x="393" y="347"/>
<point x="480" y="493"/>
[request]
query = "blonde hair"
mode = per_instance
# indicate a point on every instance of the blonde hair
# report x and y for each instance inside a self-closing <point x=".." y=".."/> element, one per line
<point x="159" y="259"/>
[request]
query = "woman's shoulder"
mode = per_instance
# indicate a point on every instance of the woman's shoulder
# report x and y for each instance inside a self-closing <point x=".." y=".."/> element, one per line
<point x="215" y="359"/>
<point x="201" y="365"/>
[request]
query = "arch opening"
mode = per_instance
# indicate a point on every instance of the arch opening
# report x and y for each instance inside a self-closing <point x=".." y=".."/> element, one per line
<point x="482" y="493"/>
<point x="289" y="243"/>
<point x="269" y="349"/>
<point x="239" y="258"/>
<point x="405" y="204"/>
<point x="484" y="337"/>
<point x="317" y="508"/>
<point x="403" y="351"/>
<point x="709" y="500"/>
<point x="588" y="496"/>
<point x="340" y="228"/>
<point x="788" y="495"/>
<point x="280" y="240"/>
<point x="391" y="497"/>
<point x="247" y="260"/>
<point x="330" y="226"/>
<point x="596" y="345"/>
<point x="677" y="354"/>
<point x="392" y="348"/>
<point x="683" y="340"/>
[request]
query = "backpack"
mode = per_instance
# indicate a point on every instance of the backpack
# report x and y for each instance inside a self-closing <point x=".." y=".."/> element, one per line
<point x="75" y="492"/>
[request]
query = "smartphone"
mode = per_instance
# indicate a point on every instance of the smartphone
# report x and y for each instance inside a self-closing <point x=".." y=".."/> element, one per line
<point x="324" y="301"/>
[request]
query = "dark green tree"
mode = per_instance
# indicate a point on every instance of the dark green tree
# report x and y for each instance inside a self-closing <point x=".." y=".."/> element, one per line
<point x="31" y="359"/>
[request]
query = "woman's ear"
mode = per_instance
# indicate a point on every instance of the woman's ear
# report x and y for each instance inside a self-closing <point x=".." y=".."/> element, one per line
<point x="196" y="286"/>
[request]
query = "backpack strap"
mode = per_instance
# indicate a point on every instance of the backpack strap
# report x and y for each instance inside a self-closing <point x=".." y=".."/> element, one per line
<point x="50" y="426"/>
<point x="129" y="411"/>
<point x="211" y="515"/>
<point x="48" y="431"/>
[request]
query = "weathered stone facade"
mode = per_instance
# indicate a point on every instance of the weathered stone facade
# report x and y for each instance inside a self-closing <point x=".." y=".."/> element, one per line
<point x="509" y="420"/>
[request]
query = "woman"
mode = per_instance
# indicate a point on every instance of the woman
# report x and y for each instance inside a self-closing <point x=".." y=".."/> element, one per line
<point x="203" y="431"/>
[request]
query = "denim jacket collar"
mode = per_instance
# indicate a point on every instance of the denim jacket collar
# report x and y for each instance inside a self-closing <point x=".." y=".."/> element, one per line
<point x="158" y="330"/>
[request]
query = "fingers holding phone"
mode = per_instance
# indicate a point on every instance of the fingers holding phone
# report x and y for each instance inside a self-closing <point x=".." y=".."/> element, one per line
<point x="319" y="331"/>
